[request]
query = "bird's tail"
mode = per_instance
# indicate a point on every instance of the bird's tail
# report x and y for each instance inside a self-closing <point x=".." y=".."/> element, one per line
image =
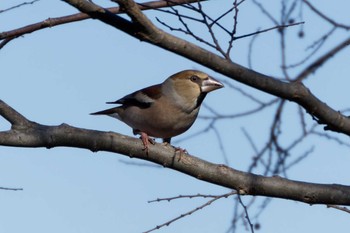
<point x="112" y="112"/>
<point x="104" y="112"/>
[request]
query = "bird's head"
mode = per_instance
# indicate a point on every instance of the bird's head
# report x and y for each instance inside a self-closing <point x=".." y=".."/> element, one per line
<point x="189" y="87"/>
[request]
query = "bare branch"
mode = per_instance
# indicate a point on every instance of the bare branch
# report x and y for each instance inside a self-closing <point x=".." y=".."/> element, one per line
<point x="168" y="199"/>
<point x="321" y="60"/>
<point x="36" y="135"/>
<point x="19" y="5"/>
<point x="339" y="208"/>
<point x="316" y="46"/>
<point x="11" y="189"/>
<point x="241" y="114"/>
<point x="203" y="20"/>
<point x="268" y="29"/>
<point x="265" y="12"/>
<point x="234" y="28"/>
<point x="5" y="42"/>
<point x="328" y="19"/>
<point x="12" y="116"/>
<point x="214" y="198"/>
<point x="52" y="22"/>
<point x="246" y="213"/>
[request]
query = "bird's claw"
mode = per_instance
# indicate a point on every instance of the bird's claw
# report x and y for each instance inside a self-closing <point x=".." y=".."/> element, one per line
<point x="145" y="141"/>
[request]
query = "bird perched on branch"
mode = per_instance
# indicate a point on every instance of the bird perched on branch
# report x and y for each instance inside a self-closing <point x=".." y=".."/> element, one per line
<point x="164" y="110"/>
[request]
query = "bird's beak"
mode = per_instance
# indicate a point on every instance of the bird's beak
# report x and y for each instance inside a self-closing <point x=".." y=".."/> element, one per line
<point x="210" y="84"/>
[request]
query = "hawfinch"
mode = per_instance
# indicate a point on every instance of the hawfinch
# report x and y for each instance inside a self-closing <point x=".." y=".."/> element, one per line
<point x="164" y="110"/>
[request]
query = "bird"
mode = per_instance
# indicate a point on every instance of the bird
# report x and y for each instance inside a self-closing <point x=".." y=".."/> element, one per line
<point x="164" y="110"/>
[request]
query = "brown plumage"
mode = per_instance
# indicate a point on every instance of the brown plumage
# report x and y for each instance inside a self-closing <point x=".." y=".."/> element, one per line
<point x="164" y="110"/>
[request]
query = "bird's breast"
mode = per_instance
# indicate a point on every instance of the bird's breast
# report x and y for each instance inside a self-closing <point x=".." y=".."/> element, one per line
<point x="164" y="121"/>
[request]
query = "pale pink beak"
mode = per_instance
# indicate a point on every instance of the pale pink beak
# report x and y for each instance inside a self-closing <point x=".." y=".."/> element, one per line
<point x="211" y="84"/>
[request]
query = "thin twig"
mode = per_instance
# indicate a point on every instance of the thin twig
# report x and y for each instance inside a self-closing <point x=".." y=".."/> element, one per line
<point x="221" y="146"/>
<point x="11" y="189"/>
<point x="265" y="12"/>
<point x="329" y="20"/>
<point x="19" y="5"/>
<point x="168" y="199"/>
<point x="241" y="114"/>
<point x="269" y="29"/>
<point x="321" y="60"/>
<point x="315" y="47"/>
<point x="234" y="29"/>
<point x="300" y="158"/>
<point x="339" y="208"/>
<point x="192" y="211"/>
<point x="250" y="140"/>
<point x="251" y="226"/>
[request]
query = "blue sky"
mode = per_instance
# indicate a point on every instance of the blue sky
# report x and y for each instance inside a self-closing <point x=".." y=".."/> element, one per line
<point x="60" y="75"/>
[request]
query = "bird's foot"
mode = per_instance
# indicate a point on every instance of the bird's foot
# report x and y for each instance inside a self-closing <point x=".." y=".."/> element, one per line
<point x="146" y="140"/>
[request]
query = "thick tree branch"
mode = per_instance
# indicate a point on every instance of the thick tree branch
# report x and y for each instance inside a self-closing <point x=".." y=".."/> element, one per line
<point x="142" y="28"/>
<point x="31" y="134"/>
<point x="51" y="22"/>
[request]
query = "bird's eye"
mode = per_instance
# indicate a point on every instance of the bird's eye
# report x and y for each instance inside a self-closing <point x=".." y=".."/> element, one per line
<point x="194" y="78"/>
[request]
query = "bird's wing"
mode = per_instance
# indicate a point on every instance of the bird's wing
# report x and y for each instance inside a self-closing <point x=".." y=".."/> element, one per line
<point x="142" y="98"/>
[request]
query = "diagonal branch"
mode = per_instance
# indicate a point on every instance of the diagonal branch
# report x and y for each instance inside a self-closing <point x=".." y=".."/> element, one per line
<point x="321" y="60"/>
<point x="18" y="6"/>
<point x="52" y="22"/>
<point x="36" y="135"/>
<point x="12" y="116"/>
<point x="208" y="203"/>
<point x="328" y="19"/>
